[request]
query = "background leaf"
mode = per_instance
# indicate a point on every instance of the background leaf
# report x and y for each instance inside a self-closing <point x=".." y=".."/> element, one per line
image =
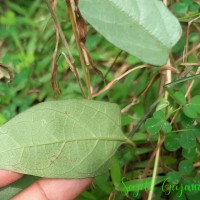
<point x="172" y="142"/>
<point x="153" y="125"/>
<point x="143" y="28"/>
<point x="185" y="167"/>
<point x="187" y="140"/>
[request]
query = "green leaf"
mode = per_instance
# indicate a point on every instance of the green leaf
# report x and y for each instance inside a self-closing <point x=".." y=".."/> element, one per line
<point x="153" y="125"/>
<point x="162" y="104"/>
<point x="194" y="37"/>
<point x="103" y="184"/>
<point x="180" y="8"/>
<point x="143" y="150"/>
<point x="189" y="154"/>
<point x="172" y="142"/>
<point x="116" y="172"/>
<point x="180" y="196"/>
<point x="188" y="2"/>
<point x="187" y="140"/>
<point x="180" y="98"/>
<point x="159" y="115"/>
<point x="63" y="139"/>
<point x="166" y="127"/>
<point x="185" y="167"/>
<point x="193" y="107"/>
<point x="195" y="103"/>
<point x="189" y="111"/>
<point x="173" y="177"/>
<point x="143" y="28"/>
<point x="2" y="119"/>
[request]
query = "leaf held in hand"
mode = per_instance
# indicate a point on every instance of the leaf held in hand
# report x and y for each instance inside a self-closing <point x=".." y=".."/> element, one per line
<point x="63" y="139"/>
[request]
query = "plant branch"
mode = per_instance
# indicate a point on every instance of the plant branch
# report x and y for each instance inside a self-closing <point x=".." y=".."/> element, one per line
<point x="75" y="71"/>
<point x="113" y="82"/>
<point x="54" y="72"/>
<point x="71" y="8"/>
<point x="64" y="41"/>
<point x="8" y="70"/>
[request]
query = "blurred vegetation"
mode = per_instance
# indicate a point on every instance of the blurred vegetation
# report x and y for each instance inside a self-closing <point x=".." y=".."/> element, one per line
<point x="27" y="42"/>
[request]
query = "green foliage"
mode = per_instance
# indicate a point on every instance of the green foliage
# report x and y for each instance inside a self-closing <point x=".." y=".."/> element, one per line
<point x="172" y="142"/>
<point x="127" y="26"/>
<point x="185" y="167"/>
<point x="157" y="123"/>
<point x="182" y="7"/>
<point x="173" y="177"/>
<point x="193" y="108"/>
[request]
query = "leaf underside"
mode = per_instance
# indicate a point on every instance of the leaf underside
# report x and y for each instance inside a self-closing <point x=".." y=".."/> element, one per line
<point x="62" y="139"/>
<point x="143" y="28"/>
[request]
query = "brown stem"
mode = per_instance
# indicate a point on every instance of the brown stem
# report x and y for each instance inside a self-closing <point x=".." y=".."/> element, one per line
<point x="70" y="6"/>
<point x="64" y="41"/>
<point x="8" y="70"/>
<point x="145" y="173"/>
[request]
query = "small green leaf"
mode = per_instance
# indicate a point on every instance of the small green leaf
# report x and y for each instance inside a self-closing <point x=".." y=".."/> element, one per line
<point x="103" y="184"/>
<point x="187" y="2"/>
<point x="2" y="119"/>
<point x="180" y="98"/>
<point x="189" y="154"/>
<point x="172" y="142"/>
<point x="162" y="104"/>
<point x="62" y="139"/>
<point x="193" y="108"/>
<point x="180" y="196"/>
<point x="187" y="140"/>
<point x="153" y="125"/>
<point x="166" y="127"/>
<point x="116" y="172"/>
<point x="189" y="111"/>
<point x="180" y="8"/>
<point x="173" y="177"/>
<point x="159" y="115"/>
<point x="195" y="103"/>
<point x="185" y="167"/>
<point x="194" y="37"/>
<point x="143" y="150"/>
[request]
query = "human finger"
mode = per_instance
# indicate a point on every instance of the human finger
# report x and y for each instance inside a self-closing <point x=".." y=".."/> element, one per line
<point x="7" y="177"/>
<point x="54" y="189"/>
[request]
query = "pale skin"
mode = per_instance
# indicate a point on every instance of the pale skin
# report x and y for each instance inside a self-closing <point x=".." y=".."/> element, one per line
<point x="46" y="188"/>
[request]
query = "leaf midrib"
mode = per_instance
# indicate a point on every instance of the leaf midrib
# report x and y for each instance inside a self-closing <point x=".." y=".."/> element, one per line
<point x="123" y="140"/>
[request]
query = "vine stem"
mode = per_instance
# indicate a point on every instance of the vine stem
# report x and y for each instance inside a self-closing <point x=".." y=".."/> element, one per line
<point x="71" y="9"/>
<point x="64" y="41"/>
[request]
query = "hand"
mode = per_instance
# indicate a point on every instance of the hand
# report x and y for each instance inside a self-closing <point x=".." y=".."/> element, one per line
<point x="46" y="188"/>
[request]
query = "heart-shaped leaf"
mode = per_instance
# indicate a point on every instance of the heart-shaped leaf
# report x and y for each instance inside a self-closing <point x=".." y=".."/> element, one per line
<point x="63" y="139"/>
<point x="144" y="28"/>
